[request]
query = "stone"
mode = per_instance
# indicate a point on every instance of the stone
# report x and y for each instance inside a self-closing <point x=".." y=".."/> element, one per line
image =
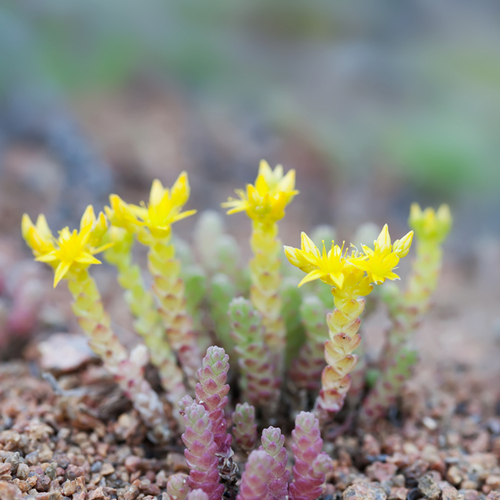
<point x="381" y="471"/>
<point x="65" y="352"/>
<point x="429" y="487"/>
<point x="107" y="469"/>
<point x="364" y="491"/>
<point x="9" y="491"/>
<point x="398" y="494"/>
<point x="449" y="493"/>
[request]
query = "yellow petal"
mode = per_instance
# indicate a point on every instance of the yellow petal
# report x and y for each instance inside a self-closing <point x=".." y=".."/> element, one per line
<point x="265" y="170"/>
<point x="402" y="247"/>
<point x="157" y="192"/>
<point x="180" y="190"/>
<point x="445" y="220"/>
<point x="337" y="278"/>
<point x="98" y="230"/>
<point x="65" y="233"/>
<point x="85" y="234"/>
<point x="359" y="262"/>
<point x="384" y="239"/>
<point x="43" y="228"/>
<point x="88" y="217"/>
<point x="313" y="275"/>
<point x="291" y="255"/>
<point x="307" y="244"/>
<point x="415" y="211"/>
<point x="108" y="245"/>
<point x="48" y="257"/>
<point x="240" y="208"/>
<point x="288" y="182"/>
<point x="26" y="224"/>
<point x="183" y="215"/>
<point x="254" y="197"/>
<point x="61" y="271"/>
<point x="37" y="243"/>
<point x="278" y="173"/>
<point x="87" y="258"/>
<point x="261" y="185"/>
<point x="444" y="214"/>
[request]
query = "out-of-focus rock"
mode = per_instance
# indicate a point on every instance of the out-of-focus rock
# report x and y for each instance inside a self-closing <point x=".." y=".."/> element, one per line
<point x="364" y="491"/>
<point x="429" y="487"/>
<point x="65" y="352"/>
<point x="9" y="491"/>
<point x="381" y="471"/>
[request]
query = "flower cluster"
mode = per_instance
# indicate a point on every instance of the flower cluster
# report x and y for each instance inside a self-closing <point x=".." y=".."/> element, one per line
<point x="340" y="269"/>
<point x="156" y="218"/>
<point x="256" y="315"/>
<point x="350" y="275"/>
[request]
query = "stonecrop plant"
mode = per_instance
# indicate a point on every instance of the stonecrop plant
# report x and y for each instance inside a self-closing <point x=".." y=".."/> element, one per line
<point x="288" y="355"/>
<point x="351" y="274"/>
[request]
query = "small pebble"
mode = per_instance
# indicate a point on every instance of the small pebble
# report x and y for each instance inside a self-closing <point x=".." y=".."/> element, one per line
<point x="107" y="469"/>
<point x="430" y="423"/>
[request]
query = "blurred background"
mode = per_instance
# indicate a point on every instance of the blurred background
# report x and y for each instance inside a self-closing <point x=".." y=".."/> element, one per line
<point x="375" y="104"/>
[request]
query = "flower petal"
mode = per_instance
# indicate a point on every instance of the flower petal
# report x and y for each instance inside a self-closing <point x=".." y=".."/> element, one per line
<point x="157" y="193"/>
<point x="88" y="217"/>
<point x="87" y="258"/>
<point x="384" y="238"/>
<point x="61" y="271"/>
<point x="313" y="275"/>
<point x="48" y="257"/>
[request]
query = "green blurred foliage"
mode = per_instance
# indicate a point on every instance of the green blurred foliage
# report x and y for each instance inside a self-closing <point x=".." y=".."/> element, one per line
<point x="409" y="87"/>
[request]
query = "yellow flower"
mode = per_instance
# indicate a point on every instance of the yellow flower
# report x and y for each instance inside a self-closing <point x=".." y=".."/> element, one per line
<point x="346" y="273"/>
<point x="71" y="249"/>
<point x="164" y="208"/>
<point x="430" y="225"/>
<point x="380" y="262"/>
<point x="121" y="214"/>
<point x="328" y="267"/>
<point x="266" y="201"/>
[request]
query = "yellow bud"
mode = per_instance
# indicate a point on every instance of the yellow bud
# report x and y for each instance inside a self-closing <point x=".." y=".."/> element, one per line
<point x="180" y="190"/>
<point x="430" y="225"/>
<point x="88" y="217"/>
<point x="99" y="230"/>
<point x="402" y="247"/>
<point x="384" y="238"/>
<point x="25" y="225"/>
<point x="157" y="192"/>
<point x="38" y="236"/>
<point x="120" y="214"/>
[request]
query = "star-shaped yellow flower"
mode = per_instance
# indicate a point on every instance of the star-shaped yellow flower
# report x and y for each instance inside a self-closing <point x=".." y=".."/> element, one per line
<point x="164" y="208"/>
<point x="266" y="201"/>
<point x="380" y="262"/>
<point x="72" y="249"/>
<point x="346" y="273"/>
<point x="328" y="267"/>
